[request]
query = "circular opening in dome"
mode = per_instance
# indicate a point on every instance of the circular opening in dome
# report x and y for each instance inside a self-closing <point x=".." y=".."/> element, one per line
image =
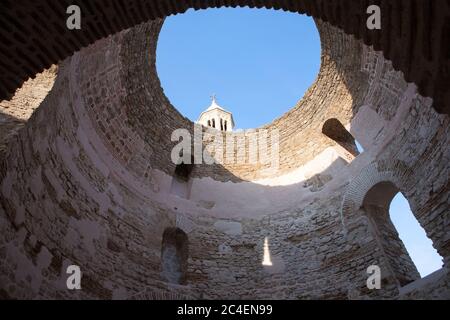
<point x="257" y="62"/>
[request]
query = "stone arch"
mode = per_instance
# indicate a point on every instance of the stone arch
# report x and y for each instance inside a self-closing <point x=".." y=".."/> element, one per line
<point x="394" y="172"/>
<point x="174" y="255"/>
<point x="335" y="130"/>
<point x="42" y="39"/>
<point x="366" y="221"/>
<point x="375" y="206"/>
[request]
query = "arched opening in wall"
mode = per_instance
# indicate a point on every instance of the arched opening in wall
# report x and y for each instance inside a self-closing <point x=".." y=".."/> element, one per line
<point x="184" y="170"/>
<point x="174" y="256"/>
<point x="260" y="62"/>
<point x="419" y="246"/>
<point x="346" y="144"/>
<point x="377" y="206"/>
<point x="181" y="183"/>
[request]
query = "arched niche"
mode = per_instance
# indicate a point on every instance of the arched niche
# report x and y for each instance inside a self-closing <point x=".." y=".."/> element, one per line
<point x="174" y="256"/>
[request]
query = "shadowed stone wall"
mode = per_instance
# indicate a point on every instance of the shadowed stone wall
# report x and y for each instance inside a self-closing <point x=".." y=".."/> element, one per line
<point x="87" y="182"/>
<point x="34" y="35"/>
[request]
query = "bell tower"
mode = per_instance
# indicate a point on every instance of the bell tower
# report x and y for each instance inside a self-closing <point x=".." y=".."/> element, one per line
<point x="216" y="117"/>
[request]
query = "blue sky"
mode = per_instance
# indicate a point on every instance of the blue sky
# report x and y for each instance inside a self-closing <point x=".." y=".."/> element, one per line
<point x="259" y="63"/>
<point x="419" y="247"/>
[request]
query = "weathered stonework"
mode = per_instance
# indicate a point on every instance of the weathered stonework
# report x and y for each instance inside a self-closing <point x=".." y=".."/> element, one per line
<point x="15" y="112"/>
<point x="88" y="181"/>
<point x="34" y="35"/>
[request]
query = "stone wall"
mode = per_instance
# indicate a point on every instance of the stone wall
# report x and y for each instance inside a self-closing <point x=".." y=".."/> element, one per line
<point x="35" y="36"/>
<point x="87" y="182"/>
<point x="434" y="286"/>
<point x="15" y="112"/>
<point x="128" y="107"/>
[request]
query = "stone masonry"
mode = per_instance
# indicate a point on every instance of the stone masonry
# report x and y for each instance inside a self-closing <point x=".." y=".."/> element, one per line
<point x="87" y="180"/>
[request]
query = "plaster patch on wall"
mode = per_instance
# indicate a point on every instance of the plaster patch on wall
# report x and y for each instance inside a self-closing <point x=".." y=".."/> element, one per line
<point x="184" y="223"/>
<point x="206" y="204"/>
<point x="229" y="227"/>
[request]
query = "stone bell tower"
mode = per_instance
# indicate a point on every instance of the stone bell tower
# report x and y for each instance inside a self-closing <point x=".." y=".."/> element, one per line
<point x="216" y="117"/>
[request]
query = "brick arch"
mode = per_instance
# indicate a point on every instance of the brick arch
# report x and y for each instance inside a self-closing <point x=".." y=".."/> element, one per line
<point x="398" y="177"/>
<point x="34" y="36"/>
<point x="365" y="219"/>
<point x="394" y="172"/>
